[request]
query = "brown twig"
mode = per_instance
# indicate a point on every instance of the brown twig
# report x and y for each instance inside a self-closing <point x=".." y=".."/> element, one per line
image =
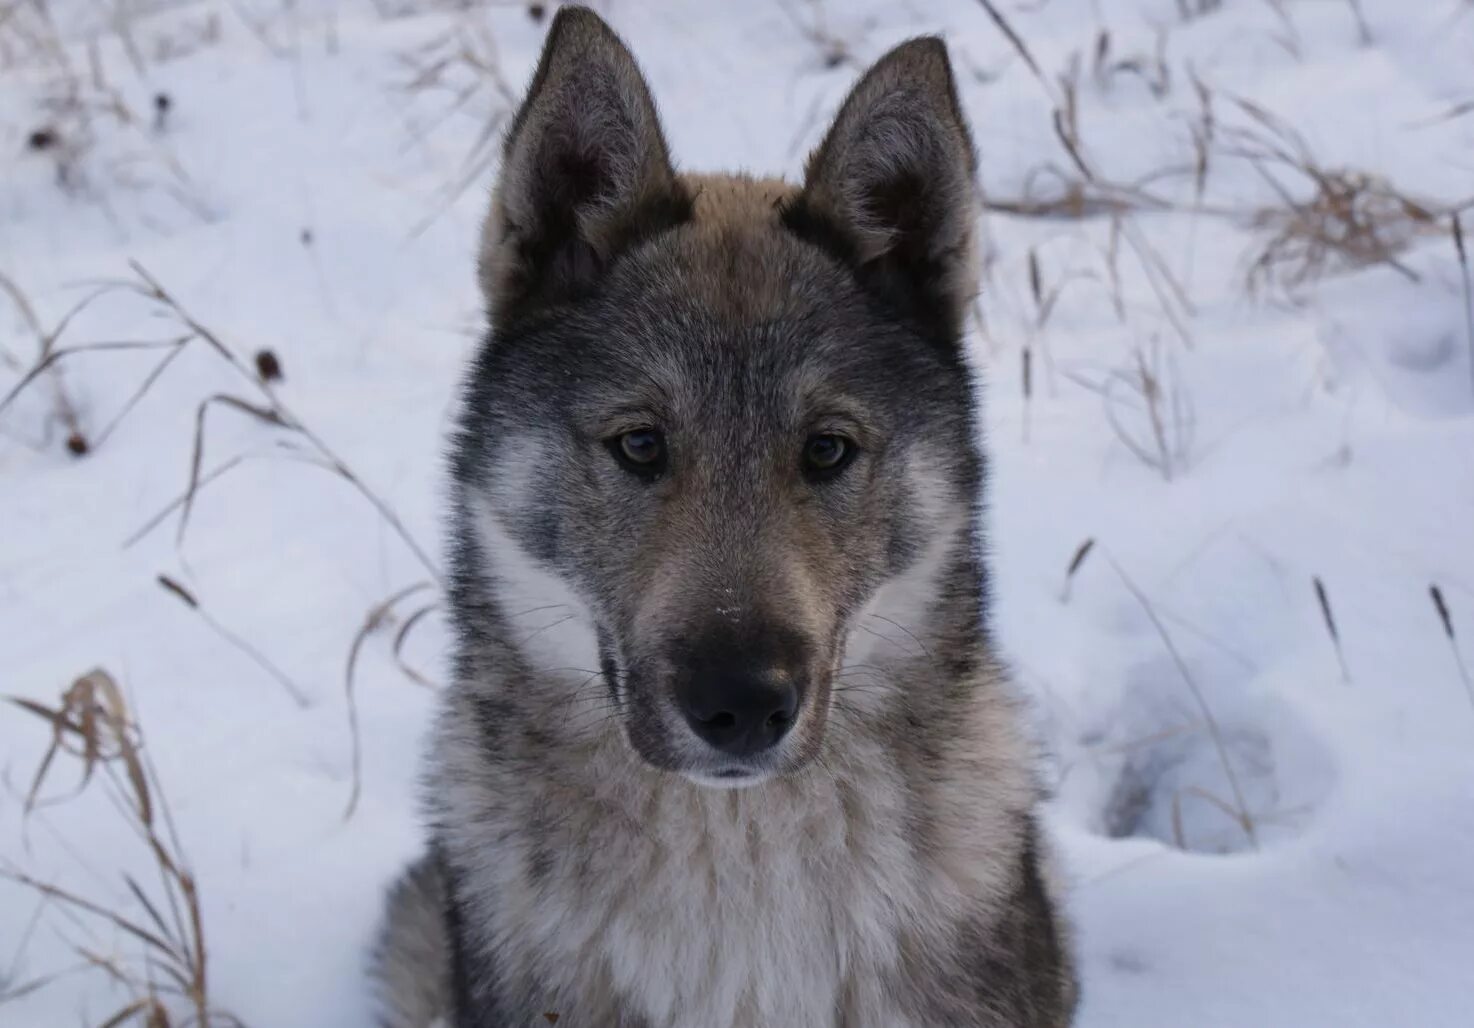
<point x="273" y="411"/>
<point x="436" y="67"/>
<point x="1447" y="622"/>
<point x="65" y="408"/>
<point x="1324" y="601"/>
<point x="260" y="659"/>
<point x="377" y="616"/>
<point x="1013" y="38"/>
<point x="402" y="636"/>
<point x="1081" y="552"/>
<point x="1027" y="376"/>
<point x="1168" y="410"/>
<point x="1463" y="254"/>
<point x="1363" y="30"/>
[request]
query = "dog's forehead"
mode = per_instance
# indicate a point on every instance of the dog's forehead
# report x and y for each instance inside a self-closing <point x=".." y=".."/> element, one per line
<point x="730" y="316"/>
<point x="735" y="259"/>
<point x="735" y="200"/>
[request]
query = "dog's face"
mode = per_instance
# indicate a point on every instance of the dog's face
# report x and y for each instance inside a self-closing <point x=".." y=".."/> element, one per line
<point x="718" y="419"/>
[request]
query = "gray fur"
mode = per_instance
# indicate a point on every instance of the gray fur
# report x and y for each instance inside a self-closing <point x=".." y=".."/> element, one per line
<point x="883" y="866"/>
<point x="411" y="966"/>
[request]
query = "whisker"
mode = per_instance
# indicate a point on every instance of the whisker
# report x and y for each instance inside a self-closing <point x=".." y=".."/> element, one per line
<point x="879" y="635"/>
<point x="534" y="610"/>
<point x="910" y="634"/>
<point x="539" y="631"/>
<point x="853" y="687"/>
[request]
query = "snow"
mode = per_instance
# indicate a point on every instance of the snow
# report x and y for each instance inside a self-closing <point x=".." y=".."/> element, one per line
<point x="1326" y="433"/>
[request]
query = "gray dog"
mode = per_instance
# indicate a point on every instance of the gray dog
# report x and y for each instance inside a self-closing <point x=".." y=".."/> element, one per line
<point x="727" y="745"/>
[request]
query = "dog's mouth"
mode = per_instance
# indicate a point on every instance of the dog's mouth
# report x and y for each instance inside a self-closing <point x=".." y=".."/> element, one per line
<point x="727" y="777"/>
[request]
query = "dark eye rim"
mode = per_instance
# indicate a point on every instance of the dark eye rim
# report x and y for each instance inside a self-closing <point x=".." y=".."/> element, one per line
<point x="823" y="472"/>
<point x="651" y="468"/>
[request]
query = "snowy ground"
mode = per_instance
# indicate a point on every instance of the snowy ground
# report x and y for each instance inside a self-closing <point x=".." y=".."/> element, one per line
<point x="300" y="194"/>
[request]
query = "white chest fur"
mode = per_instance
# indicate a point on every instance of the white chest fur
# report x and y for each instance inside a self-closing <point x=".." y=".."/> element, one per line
<point x="784" y="904"/>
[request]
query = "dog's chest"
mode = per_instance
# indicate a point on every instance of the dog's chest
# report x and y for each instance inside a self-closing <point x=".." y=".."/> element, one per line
<point x="721" y="910"/>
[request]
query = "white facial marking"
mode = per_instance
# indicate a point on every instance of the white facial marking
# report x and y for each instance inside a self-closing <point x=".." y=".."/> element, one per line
<point x="548" y="619"/>
<point x="884" y="629"/>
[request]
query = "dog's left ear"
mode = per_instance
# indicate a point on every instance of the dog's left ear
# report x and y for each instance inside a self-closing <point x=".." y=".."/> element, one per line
<point x="890" y="190"/>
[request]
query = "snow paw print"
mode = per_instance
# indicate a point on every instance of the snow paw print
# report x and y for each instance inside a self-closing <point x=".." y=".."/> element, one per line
<point x="1221" y="777"/>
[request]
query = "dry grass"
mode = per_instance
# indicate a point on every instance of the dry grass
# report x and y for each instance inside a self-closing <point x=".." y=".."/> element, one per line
<point x="1446" y="621"/>
<point x="1157" y="392"/>
<point x="271" y="410"/>
<point x="1463" y="256"/>
<point x="97" y="142"/>
<point x="167" y="977"/>
<point x="266" y="406"/>
<point x="1148" y="406"/>
<point x="1328" y="220"/>
<point x="1053" y="192"/>
<point x="30" y="38"/>
<point x="28" y="35"/>
<point x="1192" y="10"/>
<point x="1151" y="69"/>
<point x="1325" y="220"/>
<point x="459" y="72"/>
<point x="811" y="21"/>
<point x="1328" y="618"/>
<point x="380" y="616"/>
<point x="190" y="600"/>
<point x="1363" y="29"/>
<point x="1175" y="305"/>
<point x="64" y="409"/>
<point x="1076" y="562"/>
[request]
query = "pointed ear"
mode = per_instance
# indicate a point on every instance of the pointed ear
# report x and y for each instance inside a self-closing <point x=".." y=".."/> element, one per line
<point x="585" y="172"/>
<point x="890" y="190"/>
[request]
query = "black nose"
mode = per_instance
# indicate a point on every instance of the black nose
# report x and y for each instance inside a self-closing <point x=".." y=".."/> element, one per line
<point x="741" y="714"/>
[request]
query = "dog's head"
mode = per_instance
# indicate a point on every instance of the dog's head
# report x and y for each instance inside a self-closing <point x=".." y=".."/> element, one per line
<point x="717" y="454"/>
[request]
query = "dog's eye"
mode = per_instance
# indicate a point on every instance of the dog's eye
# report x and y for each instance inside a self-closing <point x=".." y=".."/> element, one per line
<point x="641" y="451"/>
<point x="827" y="453"/>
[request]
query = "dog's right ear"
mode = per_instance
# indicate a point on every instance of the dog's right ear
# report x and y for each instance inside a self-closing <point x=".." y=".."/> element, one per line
<point x="585" y="173"/>
<point x="890" y="189"/>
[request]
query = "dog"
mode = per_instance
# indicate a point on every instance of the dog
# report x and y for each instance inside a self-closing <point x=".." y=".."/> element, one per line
<point x="727" y="743"/>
